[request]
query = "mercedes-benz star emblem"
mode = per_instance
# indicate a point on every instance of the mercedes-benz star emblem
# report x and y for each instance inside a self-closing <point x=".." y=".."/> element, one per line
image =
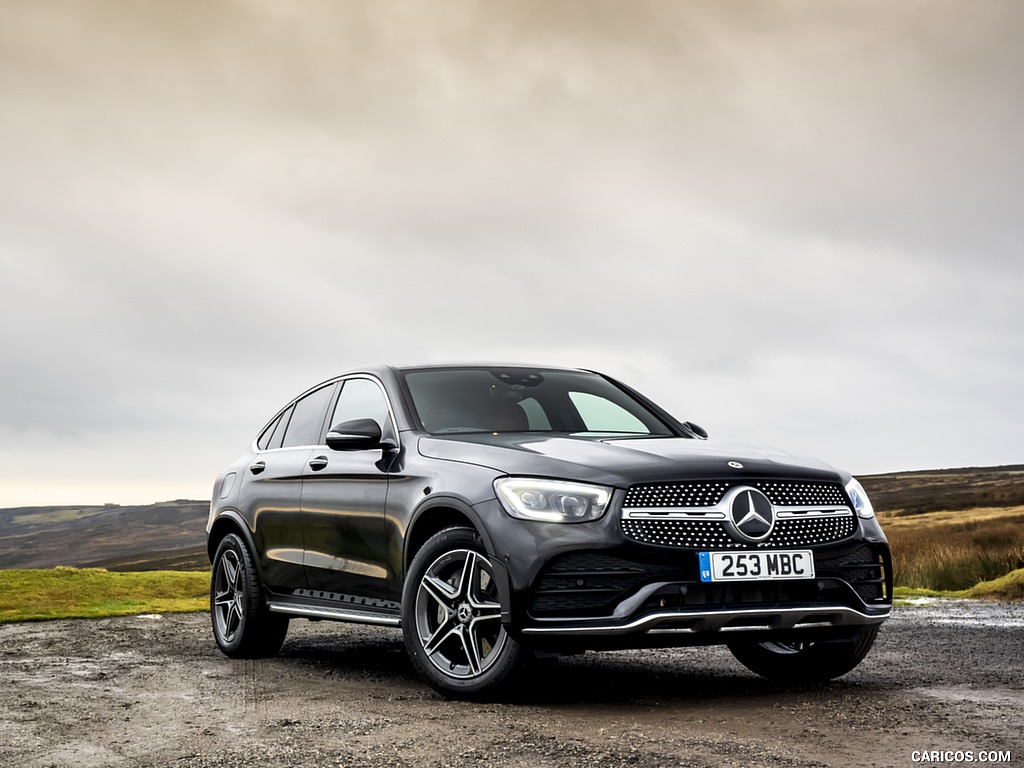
<point x="751" y="517"/>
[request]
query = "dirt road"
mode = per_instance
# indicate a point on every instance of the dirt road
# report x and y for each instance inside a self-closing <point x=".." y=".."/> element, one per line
<point x="154" y="691"/>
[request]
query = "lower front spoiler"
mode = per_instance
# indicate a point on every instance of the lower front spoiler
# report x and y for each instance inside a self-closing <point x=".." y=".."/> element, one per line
<point x="737" y="620"/>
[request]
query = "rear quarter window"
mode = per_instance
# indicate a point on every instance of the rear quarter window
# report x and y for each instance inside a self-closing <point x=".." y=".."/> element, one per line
<point x="306" y="425"/>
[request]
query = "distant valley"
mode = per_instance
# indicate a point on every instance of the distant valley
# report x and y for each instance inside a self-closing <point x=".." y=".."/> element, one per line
<point x="171" y="535"/>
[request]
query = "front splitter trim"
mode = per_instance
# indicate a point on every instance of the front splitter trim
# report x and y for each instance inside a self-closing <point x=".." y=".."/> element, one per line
<point x="720" y="621"/>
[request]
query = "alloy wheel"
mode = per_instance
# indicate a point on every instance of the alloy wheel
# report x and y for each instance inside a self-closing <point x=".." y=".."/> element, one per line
<point x="229" y="595"/>
<point x="457" y="615"/>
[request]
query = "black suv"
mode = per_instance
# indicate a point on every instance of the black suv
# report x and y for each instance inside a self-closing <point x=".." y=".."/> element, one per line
<point x="499" y="511"/>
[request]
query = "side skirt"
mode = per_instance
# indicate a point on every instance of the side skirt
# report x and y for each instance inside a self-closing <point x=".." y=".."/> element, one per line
<point x="335" y="610"/>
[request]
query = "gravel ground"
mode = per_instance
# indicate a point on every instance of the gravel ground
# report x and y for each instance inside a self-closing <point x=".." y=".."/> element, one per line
<point x="154" y="691"/>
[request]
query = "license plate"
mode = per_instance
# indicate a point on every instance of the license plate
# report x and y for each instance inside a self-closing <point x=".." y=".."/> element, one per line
<point x="756" y="566"/>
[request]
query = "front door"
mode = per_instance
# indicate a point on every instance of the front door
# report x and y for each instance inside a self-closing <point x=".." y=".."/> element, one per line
<point x="343" y="498"/>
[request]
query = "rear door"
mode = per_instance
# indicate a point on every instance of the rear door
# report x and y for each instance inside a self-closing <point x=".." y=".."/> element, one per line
<point x="273" y="489"/>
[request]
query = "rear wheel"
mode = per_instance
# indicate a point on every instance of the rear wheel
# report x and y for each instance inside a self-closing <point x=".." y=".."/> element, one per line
<point x="242" y="626"/>
<point x="805" y="662"/>
<point x="451" y="618"/>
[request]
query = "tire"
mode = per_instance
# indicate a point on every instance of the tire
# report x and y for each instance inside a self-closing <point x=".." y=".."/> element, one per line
<point x="451" y="619"/>
<point x="808" y="662"/>
<point x="242" y="626"/>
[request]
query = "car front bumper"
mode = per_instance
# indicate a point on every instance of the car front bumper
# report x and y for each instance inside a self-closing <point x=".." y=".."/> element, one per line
<point x="590" y="585"/>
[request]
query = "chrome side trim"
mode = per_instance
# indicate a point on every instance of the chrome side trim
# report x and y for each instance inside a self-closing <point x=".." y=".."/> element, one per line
<point x="699" y="513"/>
<point x="336" y="614"/>
<point x="788" y="513"/>
<point x="721" y="621"/>
<point x="720" y="512"/>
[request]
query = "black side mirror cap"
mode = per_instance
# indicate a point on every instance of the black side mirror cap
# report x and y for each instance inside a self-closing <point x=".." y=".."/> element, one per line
<point x="354" y="435"/>
<point x="698" y="431"/>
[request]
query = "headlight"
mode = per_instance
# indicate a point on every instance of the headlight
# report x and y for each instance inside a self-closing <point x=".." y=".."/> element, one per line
<point x="552" y="501"/>
<point x="861" y="503"/>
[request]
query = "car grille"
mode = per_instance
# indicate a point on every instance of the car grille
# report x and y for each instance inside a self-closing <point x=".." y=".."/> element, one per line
<point x="782" y="493"/>
<point x="711" y="534"/>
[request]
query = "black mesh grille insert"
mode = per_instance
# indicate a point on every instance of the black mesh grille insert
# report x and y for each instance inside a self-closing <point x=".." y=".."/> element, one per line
<point x="800" y="493"/>
<point x="862" y="569"/>
<point x="675" y="495"/>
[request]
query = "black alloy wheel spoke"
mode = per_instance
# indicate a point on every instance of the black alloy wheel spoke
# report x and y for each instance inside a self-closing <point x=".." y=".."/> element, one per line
<point x="230" y="595"/>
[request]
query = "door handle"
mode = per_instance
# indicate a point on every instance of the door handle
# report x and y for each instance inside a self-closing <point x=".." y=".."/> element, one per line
<point x="258" y="467"/>
<point x="320" y="462"/>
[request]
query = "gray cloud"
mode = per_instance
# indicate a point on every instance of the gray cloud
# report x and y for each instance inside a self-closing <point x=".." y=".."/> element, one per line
<point x="792" y="222"/>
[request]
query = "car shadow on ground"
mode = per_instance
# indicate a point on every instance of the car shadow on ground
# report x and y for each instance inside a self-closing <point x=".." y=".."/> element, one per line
<point x="636" y="679"/>
<point x="681" y="676"/>
<point x="378" y="656"/>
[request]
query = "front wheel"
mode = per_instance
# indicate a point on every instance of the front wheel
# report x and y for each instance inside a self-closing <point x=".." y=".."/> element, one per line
<point x="242" y="626"/>
<point x="451" y="618"/>
<point x="805" y="662"/>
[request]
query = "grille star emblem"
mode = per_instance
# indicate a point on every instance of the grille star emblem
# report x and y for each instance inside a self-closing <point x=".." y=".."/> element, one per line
<point x="751" y="516"/>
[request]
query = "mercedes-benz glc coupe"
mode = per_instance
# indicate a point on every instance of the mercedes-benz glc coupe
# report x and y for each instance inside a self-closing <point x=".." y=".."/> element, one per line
<point x="495" y="512"/>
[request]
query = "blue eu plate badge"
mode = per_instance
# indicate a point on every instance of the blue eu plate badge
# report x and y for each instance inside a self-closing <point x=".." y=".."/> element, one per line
<point x="705" y="566"/>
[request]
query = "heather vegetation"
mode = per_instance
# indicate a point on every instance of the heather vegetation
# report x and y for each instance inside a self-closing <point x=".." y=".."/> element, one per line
<point x="955" y="550"/>
<point x="955" y="530"/>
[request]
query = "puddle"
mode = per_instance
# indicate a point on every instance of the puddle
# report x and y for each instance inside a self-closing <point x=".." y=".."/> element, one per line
<point x="970" y="613"/>
<point x="991" y="696"/>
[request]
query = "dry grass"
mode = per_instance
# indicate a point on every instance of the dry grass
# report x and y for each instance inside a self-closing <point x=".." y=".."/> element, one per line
<point x="955" y="550"/>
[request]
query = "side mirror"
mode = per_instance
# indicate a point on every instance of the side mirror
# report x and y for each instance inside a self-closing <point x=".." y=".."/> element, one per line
<point x="697" y="430"/>
<point x="354" y="435"/>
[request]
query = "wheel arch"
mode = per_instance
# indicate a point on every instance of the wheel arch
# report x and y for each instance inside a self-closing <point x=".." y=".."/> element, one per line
<point x="435" y="516"/>
<point x="227" y="522"/>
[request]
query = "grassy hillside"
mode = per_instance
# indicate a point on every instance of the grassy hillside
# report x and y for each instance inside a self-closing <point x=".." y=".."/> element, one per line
<point x="914" y="493"/>
<point x="62" y="593"/>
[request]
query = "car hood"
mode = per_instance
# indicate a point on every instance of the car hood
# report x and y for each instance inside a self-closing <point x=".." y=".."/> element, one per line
<point x="623" y="462"/>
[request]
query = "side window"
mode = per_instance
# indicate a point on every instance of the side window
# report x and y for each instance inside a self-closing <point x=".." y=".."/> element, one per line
<point x="360" y="399"/>
<point x="279" y="427"/>
<point x="306" y="425"/>
<point x="268" y="434"/>
<point x="602" y="415"/>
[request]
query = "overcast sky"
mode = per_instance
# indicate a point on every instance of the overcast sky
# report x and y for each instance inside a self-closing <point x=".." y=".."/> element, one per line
<point x="798" y="224"/>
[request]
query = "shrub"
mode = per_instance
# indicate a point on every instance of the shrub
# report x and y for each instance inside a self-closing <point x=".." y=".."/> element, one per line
<point x="953" y="555"/>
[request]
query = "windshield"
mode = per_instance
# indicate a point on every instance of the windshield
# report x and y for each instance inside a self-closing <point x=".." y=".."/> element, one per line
<point x="454" y="400"/>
